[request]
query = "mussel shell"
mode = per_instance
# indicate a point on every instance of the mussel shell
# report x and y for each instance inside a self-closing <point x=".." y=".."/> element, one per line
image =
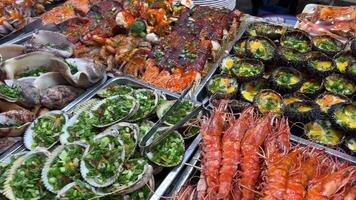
<point x="297" y="34"/>
<point x="133" y="110"/>
<point x="295" y="115"/>
<point x="52" y="42"/>
<point x="141" y="180"/>
<point x="256" y="63"/>
<point x="7" y="187"/>
<point x="312" y="56"/>
<point x="348" y="130"/>
<point x="8" y="51"/>
<point x="28" y="136"/>
<point x="286" y="88"/>
<point x="339" y="45"/>
<point x="270" y="42"/>
<point x="84" y="170"/>
<point x="50" y="160"/>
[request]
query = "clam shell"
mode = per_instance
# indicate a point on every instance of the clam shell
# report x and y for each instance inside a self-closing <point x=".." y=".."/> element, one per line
<point x="62" y="192"/>
<point x="156" y="101"/>
<point x="84" y="170"/>
<point x="28" y="136"/>
<point x="88" y="72"/>
<point x="47" y="165"/>
<point x="63" y="138"/>
<point x="133" y="127"/>
<point x="7" y="188"/>
<point x="141" y="180"/>
<point x="52" y="42"/>
<point x="131" y="112"/>
<point x="8" y="51"/>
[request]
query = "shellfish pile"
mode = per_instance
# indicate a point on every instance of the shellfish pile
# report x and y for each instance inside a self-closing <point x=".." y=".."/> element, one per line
<point x="38" y="76"/>
<point x="98" y="155"/>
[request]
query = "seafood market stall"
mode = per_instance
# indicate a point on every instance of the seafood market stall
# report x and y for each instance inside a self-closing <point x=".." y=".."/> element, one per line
<point x="151" y="99"/>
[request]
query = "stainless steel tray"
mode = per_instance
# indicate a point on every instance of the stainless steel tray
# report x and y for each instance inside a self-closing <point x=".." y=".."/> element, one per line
<point x="19" y="146"/>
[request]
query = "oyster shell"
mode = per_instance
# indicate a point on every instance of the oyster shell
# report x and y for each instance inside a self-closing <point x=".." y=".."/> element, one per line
<point x="52" y="42"/>
<point x="29" y="139"/>
<point x="118" y="161"/>
<point x="8" y="190"/>
<point x="8" y="51"/>
<point x="120" y="188"/>
<point x="55" y="153"/>
<point x="13" y="119"/>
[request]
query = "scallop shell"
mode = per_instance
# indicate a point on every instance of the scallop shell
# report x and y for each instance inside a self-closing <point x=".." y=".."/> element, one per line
<point x="84" y="170"/>
<point x="150" y="184"/>
<point x="7" y="188"/>
<point x="133" y="127"/>
<point x="164" y="107"/>
<point x="47" y="165"/>
<point x="62" y="192"/>
<point x="28" y="137"/>
<point x="24" y="114"/>
<point x="63" y="138"/>
<point x="141" y="180"/>
<point x="52" y="42"/>
<point x="88" y="73"/>
<point x="8" y="51"/>
<point x="131" y="112"/>
<point x="7" y="98"/>
<point x="156" y="101"/>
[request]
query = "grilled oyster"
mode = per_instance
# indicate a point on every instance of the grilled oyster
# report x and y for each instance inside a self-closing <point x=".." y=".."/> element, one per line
<point x="296" y="39"/>
<point x="327" y="44"/>
<point x="103" y="159"/>
<point x="318" y="64"/>
<point x="338" y="84"/>
<point x="52" y="42"/>
<point x="45" y="130"/>
<point x="248" y="69"/>
<point x="261" y="48"/>
<point x="286" y="80"/>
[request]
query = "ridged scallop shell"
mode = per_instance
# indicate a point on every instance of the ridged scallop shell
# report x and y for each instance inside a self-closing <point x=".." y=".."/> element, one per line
<point x="8" y="51"/>
<point x="17" y="111"/>
<point x="7" y="188"/>
<point x="7" y="98"/>
<point x="62" y="192"/>
<point x="156" y="101"/>
<point x="47" y="165"/>
<point x="133" y="110"/>
<point x="86" y="105"/>
<point x="150" y="184"/>
<point x="52" y="42"/>
<point x="84" y="170"/>
<point x="28" y="136"/>
<point x="165" y="107"/>
<point x="63" y="138"/>
<point x="141" y="180"/>
<point x="115" y="128"/>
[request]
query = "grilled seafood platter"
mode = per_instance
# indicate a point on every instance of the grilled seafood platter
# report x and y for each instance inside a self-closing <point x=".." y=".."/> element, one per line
<point x="234" y="167"/>
<point x="297" y="75"/>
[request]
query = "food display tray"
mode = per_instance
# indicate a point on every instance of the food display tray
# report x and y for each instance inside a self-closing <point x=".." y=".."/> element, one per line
<point x="31" y="27"/>
<point x="169" y="174"/>
<point x="202" y="96"/>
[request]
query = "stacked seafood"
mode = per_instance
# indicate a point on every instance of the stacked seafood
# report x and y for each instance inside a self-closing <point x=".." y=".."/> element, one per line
<point x="164" y="44"/>
<point x="14" y="14"/>
<point x="40" y="76"/>
<point x="252" y="158"/>
<point x="286" y="71"/>
<point x="98" y="156"/>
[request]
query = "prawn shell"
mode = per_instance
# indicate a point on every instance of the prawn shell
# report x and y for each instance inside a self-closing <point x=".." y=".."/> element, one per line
<point x="133" y="127"/>
<point x="156" y="101"/>
<point x="48" y="163"/>
<point x="28" y="136"/>
<point x="142" y="180"/>
<point x="8" y="51"/>
<point x="42" y="39"/>
<point x="147" y="153"/>
<point x="7" y="188"/>
<point x="133" y="110"/>
<point x="84" y="170"/>
<point x="63" y="138"/>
